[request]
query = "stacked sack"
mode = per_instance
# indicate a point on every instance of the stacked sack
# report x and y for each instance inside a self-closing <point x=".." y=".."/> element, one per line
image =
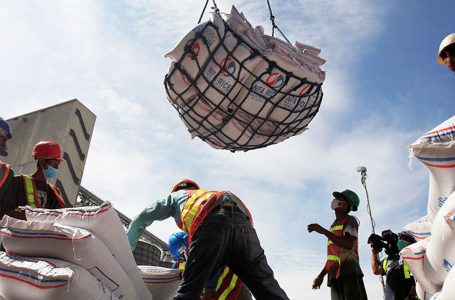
<point x="432" y="257"/>
<point x="239" y="89"/>
<point x="72" y="253"/>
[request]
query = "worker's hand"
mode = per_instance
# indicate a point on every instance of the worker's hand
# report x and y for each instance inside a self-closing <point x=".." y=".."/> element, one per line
<point x="317" y="282"/>
<point x="315" y="227"/>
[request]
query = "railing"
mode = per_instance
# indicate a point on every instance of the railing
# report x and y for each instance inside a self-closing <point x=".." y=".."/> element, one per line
<point x="86" y="198"/>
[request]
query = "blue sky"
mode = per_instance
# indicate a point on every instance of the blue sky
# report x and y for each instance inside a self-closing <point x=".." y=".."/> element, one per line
<point x="383" y="90"/>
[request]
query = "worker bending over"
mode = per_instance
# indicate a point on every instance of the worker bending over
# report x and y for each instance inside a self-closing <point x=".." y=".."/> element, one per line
<point x="220" y="234"/>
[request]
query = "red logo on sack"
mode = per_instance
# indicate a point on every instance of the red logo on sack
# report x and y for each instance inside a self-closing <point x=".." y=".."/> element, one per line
<point x="228" y="66"/>
<point x="275" y="80"/>
<point x="304" y="90"/>
<point x="196" y="47"/>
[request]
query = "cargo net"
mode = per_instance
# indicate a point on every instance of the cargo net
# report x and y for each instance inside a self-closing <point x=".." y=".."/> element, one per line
<point x="234" y="97"/>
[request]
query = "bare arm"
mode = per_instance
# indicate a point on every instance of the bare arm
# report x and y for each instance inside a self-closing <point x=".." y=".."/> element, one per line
<point x="346" y="242"/>
<point x="319" y="279"/>
<point x="375" y="264"/>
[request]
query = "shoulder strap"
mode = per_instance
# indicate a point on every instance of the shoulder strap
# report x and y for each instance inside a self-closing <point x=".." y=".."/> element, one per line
<point x="4" y="172"/>
<point x="56" y="192"/>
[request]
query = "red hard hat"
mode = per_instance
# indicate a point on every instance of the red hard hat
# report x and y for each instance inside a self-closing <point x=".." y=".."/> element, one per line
<point x="185" y="184"/>
<point x="47" y="150"/>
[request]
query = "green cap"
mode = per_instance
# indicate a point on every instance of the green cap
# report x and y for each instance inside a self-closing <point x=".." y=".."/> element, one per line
<point x="349" y="196"/>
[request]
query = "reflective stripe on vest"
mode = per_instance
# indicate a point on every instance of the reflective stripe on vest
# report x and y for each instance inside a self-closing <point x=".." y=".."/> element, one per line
<point x="181" y="265"/>
<point x="333" y="250"/>
<point x="192" y="206"/>
<point x="406" y="271"/>
<point x="31" y="193"/>
<point x="227" y="290"/>
<point x="4" y="173"/>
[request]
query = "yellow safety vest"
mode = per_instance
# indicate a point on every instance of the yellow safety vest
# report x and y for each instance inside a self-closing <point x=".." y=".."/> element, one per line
<point x="406" y="271"/>
<point x="333" y="250"/>
<point x="192" y="207"/>
<point x="32" y="195"/>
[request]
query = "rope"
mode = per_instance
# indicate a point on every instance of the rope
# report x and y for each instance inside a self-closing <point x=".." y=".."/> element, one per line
<point x="363" y="179"/>
<point x="214" y="7"/>
<point x="203" y="11"/>
<point x="363" y="174"/>
<point x="272" y="19"/>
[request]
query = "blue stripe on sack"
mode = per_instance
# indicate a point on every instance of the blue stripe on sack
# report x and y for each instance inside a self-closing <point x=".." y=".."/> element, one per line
<point x="441" y="201"/>
<point x="14" y="232"/>
<point x="447" y="265"/>
<point x="436" y="158"/>
<point x="32" y="277"/>
<point x="438" y="135"/>
<point x="421" y="233"/>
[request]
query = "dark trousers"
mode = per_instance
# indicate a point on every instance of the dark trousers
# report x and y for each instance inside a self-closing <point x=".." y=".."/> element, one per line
<point x="348" y="287"/>
<point x="226" y="237"/>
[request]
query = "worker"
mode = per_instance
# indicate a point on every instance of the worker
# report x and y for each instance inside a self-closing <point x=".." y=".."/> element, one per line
<point x="345" y="277"/>
<point x="5" y="135"/>
<point x="220" y="232"/>
<point x="446" y="53"/>
<point x="6" y="173"/>
<point x="178" y="247"/>
<point x="34" y="190"/>
<point x="400" y="284"/>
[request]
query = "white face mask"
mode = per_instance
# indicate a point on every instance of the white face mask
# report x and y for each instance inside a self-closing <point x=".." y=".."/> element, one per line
<point x="336" y="203"/>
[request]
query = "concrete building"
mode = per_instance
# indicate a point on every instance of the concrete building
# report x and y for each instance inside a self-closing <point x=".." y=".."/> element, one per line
<point x="70" y="124"/>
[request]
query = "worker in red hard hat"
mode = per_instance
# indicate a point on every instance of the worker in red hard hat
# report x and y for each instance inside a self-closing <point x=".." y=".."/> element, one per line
<point x="34" y="190"/>
<point x="446" y="53"/>
<point x="221" y="233"/>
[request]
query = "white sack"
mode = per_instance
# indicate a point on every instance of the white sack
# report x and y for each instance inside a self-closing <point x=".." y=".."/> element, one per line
<point x="181" y="92"/>
<point x="201" y="117"/>
<point x="414" y="255"/>
<point x="436" y="150"/>
<point x="448" y="289"/>
<point x="104" y="222"/>
<point x="441" y="248"/>
<point x="75" y="245"/>
<point x="422" y="294"/>
<point x="48" y="279"/>
<point x="444" y="132"/>
<point x="162" y="282"/>
<point x="202" y="46"/>
<point x="420" y="228"/>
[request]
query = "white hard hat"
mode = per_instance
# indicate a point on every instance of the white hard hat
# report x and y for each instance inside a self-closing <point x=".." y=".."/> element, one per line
<point x="447" y="41"/>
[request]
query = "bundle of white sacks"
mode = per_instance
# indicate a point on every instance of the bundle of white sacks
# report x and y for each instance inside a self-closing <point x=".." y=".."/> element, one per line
<point x="76" y="253"/>
<point x="239" y="89"/>
<point x="432" y="257"/>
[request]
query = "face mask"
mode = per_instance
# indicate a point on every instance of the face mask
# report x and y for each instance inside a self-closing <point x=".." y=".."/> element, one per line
<point x="3" y="150"/>
<point x="335" y="204"/>
<point x="50" y="172"/>
<point x="401" y="245"/>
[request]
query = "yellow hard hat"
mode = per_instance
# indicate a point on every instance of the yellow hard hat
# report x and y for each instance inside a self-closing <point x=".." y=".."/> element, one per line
<point x="447" y="41"/>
